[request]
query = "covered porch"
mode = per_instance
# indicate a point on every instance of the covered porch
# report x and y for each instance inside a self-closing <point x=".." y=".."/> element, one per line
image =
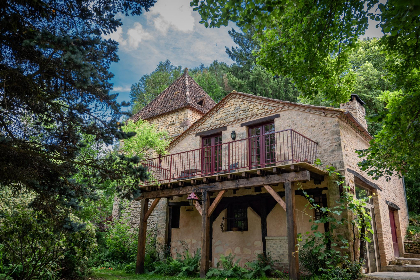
<point x="270" y="186"/>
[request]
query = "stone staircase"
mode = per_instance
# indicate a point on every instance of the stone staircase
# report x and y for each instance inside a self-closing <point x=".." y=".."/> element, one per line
<point x="409" y="263"/>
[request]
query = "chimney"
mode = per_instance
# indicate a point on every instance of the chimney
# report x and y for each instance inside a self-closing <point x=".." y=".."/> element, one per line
<point x="356" y="107"/>
<point x="185" y="71"/>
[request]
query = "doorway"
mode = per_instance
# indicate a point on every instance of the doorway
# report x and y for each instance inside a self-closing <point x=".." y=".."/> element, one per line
<point x="394" y="232"/>
<point x="212" y="154"/>
<point x="262" y="145"/>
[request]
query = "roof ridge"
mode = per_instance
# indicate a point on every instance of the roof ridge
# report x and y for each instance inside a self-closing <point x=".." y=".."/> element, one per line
<point x="187" y="91"/>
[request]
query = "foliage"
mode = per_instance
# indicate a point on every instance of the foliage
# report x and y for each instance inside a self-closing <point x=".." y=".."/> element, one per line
<point x="323" y="252"/>
<point x="184" y="265"/>
<point x="34" y="246"/>
<point x="412" y="183"/>
<point x="145" y="140"/>
<point x="121" y="241"/>
<point x="312" y="45"/>
<point x="54" y="88"/>
<point x="227" y="267"/>
<point x="299" y="39"/>
<point x="413" y="230"/>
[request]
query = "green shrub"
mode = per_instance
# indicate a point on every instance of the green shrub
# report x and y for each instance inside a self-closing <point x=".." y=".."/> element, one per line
<point x="227" y="268"/>
<point x="38" y="247"/>
<point x="121" y="242"/>
<point x="183" y="265"/>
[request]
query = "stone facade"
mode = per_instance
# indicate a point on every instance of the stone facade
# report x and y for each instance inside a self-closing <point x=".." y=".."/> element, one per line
<point x="176" y="122"/>
<point x="338" y="133"/>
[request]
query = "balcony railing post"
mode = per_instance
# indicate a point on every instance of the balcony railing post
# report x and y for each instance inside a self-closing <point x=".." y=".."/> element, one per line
<point x="228" y="156"/>
<point x="291" y="141"/>
<point x="170" y="169"/>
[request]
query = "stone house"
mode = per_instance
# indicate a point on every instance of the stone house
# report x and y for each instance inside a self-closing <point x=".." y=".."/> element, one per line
<point x="233" y="168"/>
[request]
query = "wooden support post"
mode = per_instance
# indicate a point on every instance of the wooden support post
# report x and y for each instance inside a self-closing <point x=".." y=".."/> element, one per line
<point x="141" y="243"/>
<point x="154" y="203"/>
<point x="276" y="196"/>
<point x="205" y="237"/>
<point x="215" y="202"/>
<point x="264" y="225"/>
<point x="291" y="232"/>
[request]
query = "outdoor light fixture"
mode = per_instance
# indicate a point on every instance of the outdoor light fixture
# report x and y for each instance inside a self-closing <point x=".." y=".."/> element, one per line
<point x="192" y="198"/>
<point x="233" y="135"/>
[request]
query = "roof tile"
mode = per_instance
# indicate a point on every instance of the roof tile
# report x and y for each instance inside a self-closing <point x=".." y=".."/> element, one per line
<point x="184" y="92"/>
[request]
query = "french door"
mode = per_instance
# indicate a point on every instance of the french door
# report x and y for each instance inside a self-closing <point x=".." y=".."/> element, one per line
<point x="212" y="154"/>
<point x="262" y="145"/>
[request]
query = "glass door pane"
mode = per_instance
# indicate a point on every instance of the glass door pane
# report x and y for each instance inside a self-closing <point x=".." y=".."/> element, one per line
<point x="262" y="145"/>
<point x="212" y="154"/>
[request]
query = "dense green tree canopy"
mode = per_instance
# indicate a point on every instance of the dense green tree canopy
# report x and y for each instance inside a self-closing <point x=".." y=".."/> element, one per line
<point x="54" y="88"/>
<point x="311" y="41"/>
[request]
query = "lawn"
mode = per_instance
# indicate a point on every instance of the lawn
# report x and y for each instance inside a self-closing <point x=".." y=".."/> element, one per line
<point x="113" y="274"/>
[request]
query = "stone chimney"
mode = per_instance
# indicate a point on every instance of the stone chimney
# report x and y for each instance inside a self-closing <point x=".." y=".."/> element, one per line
<point x="356" y="107"/>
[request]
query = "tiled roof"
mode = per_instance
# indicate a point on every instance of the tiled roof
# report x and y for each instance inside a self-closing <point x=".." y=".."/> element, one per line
<point x="182" y="93"/>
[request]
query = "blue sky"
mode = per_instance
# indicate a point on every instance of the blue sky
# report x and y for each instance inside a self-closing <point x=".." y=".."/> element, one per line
<point x="170" y="30"/>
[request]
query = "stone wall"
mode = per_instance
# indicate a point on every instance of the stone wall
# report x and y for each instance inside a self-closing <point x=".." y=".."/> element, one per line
<point x="175" y="122"/>
<point x="244" y="245"/>
<point x="391" y="190"/>
<point x="317" y="125"/>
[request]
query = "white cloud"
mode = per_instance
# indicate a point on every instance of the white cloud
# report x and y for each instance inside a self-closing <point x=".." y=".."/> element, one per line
<point x="176" y="14"/>
<point x="117" y="36"/>
<point x="136" y="35"/>
<point x="122" y="89"/>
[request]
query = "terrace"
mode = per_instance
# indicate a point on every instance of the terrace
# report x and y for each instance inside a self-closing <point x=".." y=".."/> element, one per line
<point x="273" y="152"/>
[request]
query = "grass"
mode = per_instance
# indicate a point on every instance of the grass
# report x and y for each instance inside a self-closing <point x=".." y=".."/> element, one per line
<point x="113" y="274"/>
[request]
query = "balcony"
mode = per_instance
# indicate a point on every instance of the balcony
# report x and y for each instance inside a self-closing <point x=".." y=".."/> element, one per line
<point x="281" y="148"/>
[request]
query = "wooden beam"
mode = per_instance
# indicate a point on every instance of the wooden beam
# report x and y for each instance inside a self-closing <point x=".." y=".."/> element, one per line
<point x="198" y="207"/>
<point x="216" y="202"/>
<point x="230" y="185"/>
<point x="264" y="225"/>
<point x="205" y="237"/>
<point x="291" y="232"/>
<point x="154" y="203"/>
<point x="141" y="243"/>
<point x="275" y="196"/>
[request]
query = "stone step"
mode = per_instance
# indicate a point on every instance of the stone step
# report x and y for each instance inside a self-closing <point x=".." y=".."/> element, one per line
<point x="403" y="268"/>
<point x="415" y="261"/>
<point x="410" y="255"/>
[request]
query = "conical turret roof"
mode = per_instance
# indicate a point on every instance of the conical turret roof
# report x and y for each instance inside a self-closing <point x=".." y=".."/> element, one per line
<point x="182" y="93"/>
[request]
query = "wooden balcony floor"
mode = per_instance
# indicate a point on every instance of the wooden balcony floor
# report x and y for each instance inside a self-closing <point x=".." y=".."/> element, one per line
<point x="237" y="174"/>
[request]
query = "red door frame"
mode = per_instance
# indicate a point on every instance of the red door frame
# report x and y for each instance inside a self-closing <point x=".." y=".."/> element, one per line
<point x="214" y="148"/>
<point x="394" y="232"/>
<point x="261" y="139"/>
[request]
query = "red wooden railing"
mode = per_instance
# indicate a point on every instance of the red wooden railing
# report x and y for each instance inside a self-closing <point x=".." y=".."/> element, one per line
<point x="275" y="148"/>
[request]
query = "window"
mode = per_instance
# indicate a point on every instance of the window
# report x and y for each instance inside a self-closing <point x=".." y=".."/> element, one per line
<point x="318" y="201"/>
<point x="237" y="218"/>
<point x="201" y="102"/>
<point x="362" y="193"/>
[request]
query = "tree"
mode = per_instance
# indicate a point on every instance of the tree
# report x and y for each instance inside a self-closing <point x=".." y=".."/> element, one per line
<point x="311" y="43"/>
<point x="54" y="88"/>
<point x="151" y="85"/>
<point x="245" y="76"/>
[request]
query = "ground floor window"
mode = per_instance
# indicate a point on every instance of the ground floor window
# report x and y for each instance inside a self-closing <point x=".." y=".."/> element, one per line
<point x="237" y="217"/>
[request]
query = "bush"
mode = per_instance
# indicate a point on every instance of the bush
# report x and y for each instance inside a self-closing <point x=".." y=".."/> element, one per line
<point x="183" y="265"/>
<point x="121" y="242"/>
<point x="35" y="246"/>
